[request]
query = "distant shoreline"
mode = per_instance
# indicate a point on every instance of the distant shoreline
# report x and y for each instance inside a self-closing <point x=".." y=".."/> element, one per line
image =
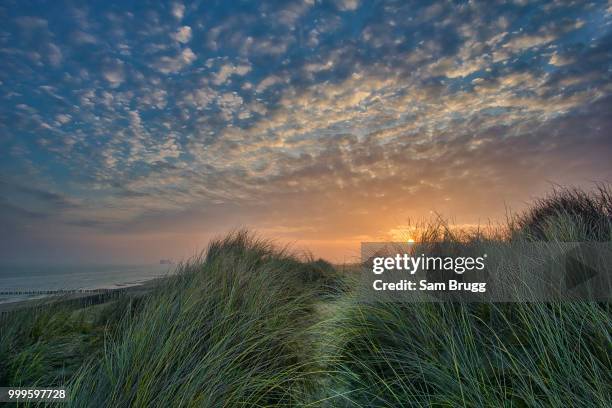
<point x="85" y="296"/>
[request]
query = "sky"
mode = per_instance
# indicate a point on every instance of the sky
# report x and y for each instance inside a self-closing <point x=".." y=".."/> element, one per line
<point x="137" y="130"/>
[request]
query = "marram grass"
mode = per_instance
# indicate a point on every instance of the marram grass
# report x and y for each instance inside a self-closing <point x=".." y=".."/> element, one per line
<point x="447" y="355"/>
<point x="249" y="325"/>
<point x="226" y="331"/>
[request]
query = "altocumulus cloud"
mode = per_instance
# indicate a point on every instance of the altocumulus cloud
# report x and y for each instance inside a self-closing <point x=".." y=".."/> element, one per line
<point x="321" y="120"/>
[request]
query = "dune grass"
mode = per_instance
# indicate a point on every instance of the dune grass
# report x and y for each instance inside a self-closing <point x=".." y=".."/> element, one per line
<point x="447" y="355"/>
<point x="250" y="325"/>
<point x="390" y="354"/>
<point x="228" y="330"/>
<point x="46" y="345"/>
<point x="568" y="214"/>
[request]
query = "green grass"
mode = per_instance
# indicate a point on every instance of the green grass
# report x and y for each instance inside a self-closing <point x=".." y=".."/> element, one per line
<point x="47" y="345"/>
<point x="447" y="355"/>
<point x="390" y="354"/>
<point x="568" y="214"/>
<point x="250" y="325"/>
<point x="227" y="331"/>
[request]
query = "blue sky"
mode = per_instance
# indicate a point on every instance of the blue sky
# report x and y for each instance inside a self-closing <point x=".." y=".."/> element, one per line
<point x="136" y="130"/>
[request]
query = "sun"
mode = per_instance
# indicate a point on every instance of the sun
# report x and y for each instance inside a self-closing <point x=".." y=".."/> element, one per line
<point x="403" y="233"/>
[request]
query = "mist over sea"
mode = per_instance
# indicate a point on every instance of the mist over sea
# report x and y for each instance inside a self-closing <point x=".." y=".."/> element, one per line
<point x="38" y="278"/>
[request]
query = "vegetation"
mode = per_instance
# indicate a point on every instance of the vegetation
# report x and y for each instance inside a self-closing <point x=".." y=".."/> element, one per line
<point x="46" y="345"/>
<point x="226" y="331"/>
<point x="447" y="355"/>
<point x="569" y="214"/>
<point x="250" y="325"/>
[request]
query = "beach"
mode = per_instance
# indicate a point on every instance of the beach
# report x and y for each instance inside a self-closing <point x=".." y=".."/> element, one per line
<point x="82" y="298"/>
<point x="23" y="284"/>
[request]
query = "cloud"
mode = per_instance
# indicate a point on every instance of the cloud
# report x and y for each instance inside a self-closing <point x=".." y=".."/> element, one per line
<point x="63" y="118"/>
<point x="83" y="38"/>
<point x="200" y="98"/>
<point x="55" y="55"/>
<point x="229" y="103"/>
<point x="114" y="73"/>
<point x="526" y="41"/>
<point x="289" y="15"/>
<point x="318" y="67"/>
<point x="182" y="35"/>
<point x="34" y="202"/>
<point x="32" y="23"/>
<point x="347" y="5"/>
<point x="178" y="10"/>
<point x="267" y="82"/>
<point x="265" y="46"/>
<point x="168" y="65"/>
<point x="227" y="70"/>
<point x="559" y="60"/>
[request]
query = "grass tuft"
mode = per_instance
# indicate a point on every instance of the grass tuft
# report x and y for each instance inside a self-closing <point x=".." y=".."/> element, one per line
<point x="569" y="214"/>
<point x="226" y="331"/>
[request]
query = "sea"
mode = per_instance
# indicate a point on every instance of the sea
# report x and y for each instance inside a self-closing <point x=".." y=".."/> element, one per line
<point x="22" y="282"/>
